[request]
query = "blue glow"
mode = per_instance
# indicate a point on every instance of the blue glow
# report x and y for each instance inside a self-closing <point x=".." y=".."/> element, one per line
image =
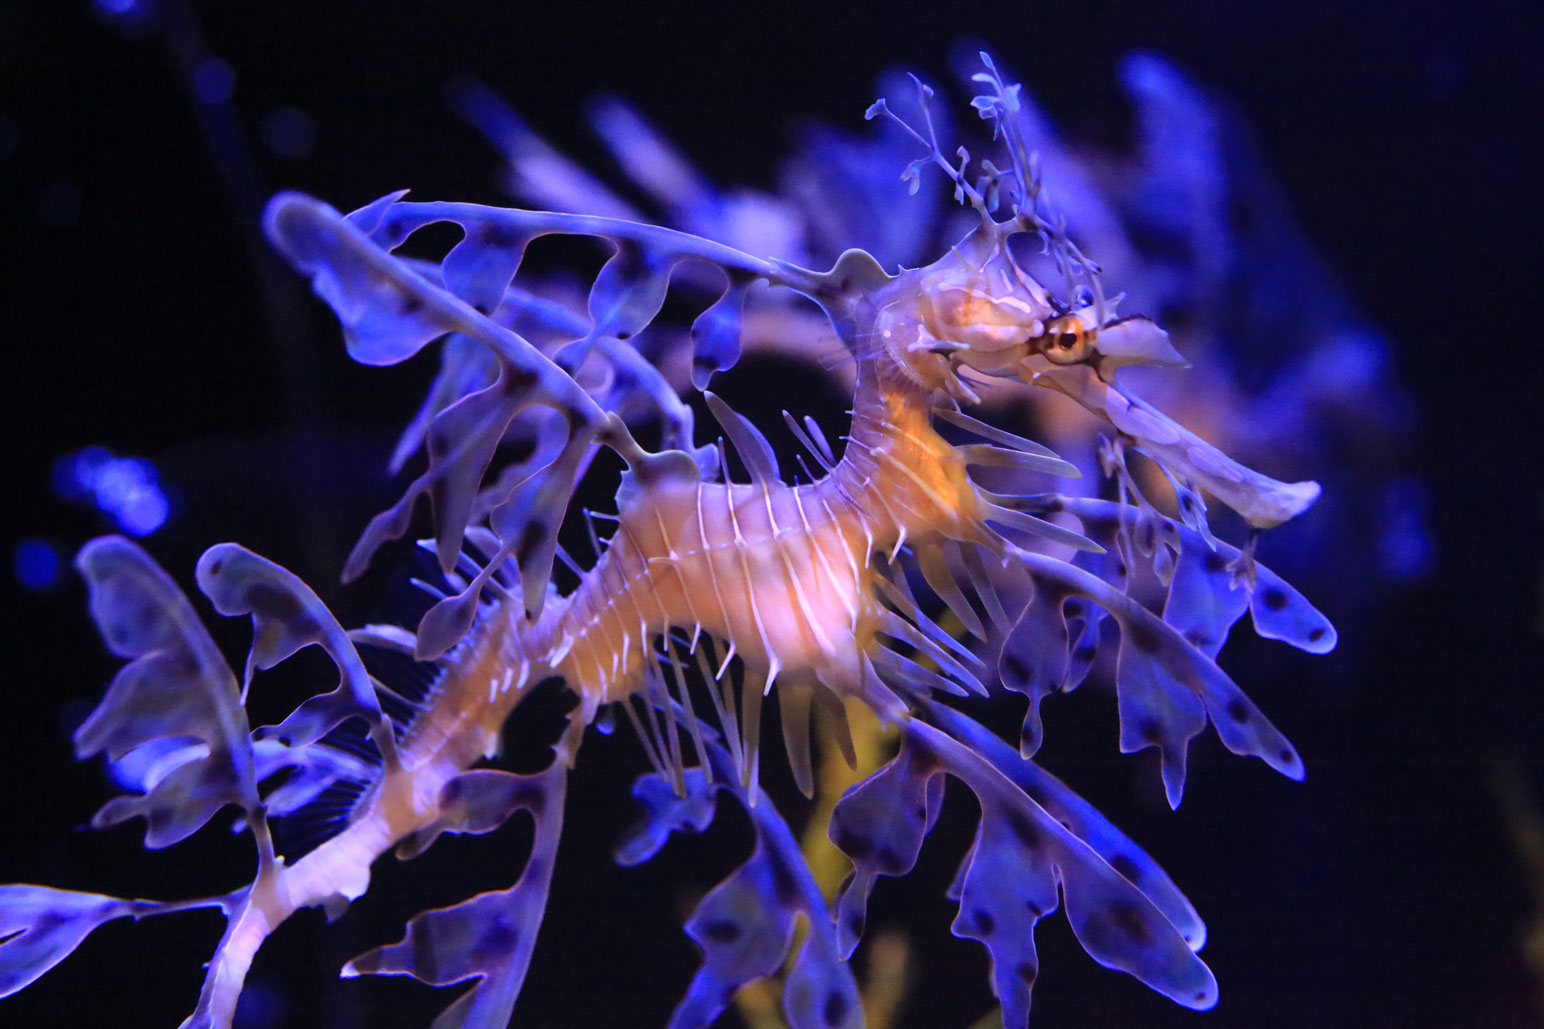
<point x="213" y="81"/>
<point x="289" y="132"/>
<point x="125" y="489"/>
<point x="36" y="564"/>
<point x="117" y="8"/>
<point x="1406" y="545"/>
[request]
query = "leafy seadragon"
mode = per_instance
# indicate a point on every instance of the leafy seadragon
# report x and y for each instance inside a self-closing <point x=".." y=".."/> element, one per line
<point x="712" y="588"/>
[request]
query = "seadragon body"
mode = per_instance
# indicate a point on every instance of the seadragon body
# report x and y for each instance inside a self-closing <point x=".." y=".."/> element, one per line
<point x="804" y="589"/>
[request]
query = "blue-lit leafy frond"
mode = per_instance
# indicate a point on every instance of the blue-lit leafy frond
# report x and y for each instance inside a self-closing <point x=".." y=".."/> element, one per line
<point x="1038" y="845"/>
<point x="391" y="307"/>
<point x="488" y="938"/>
<point x="745" y="925"/>
<point x="176" y="698"/>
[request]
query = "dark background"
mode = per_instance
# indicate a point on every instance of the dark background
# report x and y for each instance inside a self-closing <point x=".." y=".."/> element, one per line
<point x="141" y="311"/>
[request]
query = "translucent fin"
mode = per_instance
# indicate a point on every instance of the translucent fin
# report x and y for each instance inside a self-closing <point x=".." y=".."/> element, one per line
<point x="177" y="687"/>
<point x="490" y="937"/>
<point x="1021" y="855"/>
<point x="1081" y="819"/>
<point x="1155" y="667"/>
<point x="750" y="443"/>
<point x="629" y="291"/>
<point x="286" y="616"/>
<point x="745" y="925"/>
<point x="478" y="802"/>
<point x="716" y="333"/>
<point x="41" y="926"/>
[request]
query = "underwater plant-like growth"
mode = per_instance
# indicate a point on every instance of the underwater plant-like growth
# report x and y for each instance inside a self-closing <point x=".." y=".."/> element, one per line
<point x="712" y="594"/>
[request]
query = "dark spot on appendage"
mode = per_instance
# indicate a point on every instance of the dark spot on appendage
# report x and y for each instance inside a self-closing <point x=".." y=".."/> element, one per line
<point x="497" y="236"/>
<point x="1027" y="831"/>
<point x="1130" y="923"/>
<point x="1127" y="868"/>
<point x="272" y="601"/>
<point x="1274" y="598"/>
<point x="985" y="923"/>
<point x="1120" y="569"/>
<point x="1027" y="972"/>
<point x="501" y="938"/>
<point x="1016" y="667"/>
<point x="532" y="536"/>
<point x="1201" y="996"/>
<point x="216" y="565"/>
<point x="890" y="861"/>
<point x="850" y="843"/>
<point x="1215" y="563"/>
<point x="1143" y="637"/>
<point x="1085" y="653"/>
<point x="1033" y="909"/>
<point x="835" y="1011"/>
<point x="855" y="924"/>
<point x="518" y="380"/>
<point x="1238" y="711"/>
<point x="723" y="931"/>
<point x="1287" y="757"/>
<point x="1316" y="635"/>
<point x="1150" y="731"/>
<point x="411" y="305"/>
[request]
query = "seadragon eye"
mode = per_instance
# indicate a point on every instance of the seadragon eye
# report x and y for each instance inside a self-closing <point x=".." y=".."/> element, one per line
<point x="1066" y="341"/>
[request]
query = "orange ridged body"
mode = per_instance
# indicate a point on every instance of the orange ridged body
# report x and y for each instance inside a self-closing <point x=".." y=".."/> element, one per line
<point x="782" y="573"/>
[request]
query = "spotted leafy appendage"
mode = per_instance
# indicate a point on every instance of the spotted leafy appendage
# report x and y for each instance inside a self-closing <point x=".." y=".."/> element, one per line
<point x="490" y="937"/>
<point x="1036" y="842"/>
<point x="745" y="925"/>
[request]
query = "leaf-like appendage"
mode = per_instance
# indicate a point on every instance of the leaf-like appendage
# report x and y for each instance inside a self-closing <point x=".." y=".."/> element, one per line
<point x="716" y="335"/>
<point x="286" y="616"/>
<point x="177" y="687"/>
<point x="1022" y="853"/>
<point x="745" y="924"/>
<point x="466" y="366"/>
<point x="480" y="268"/>
<point x="489" y="937"/>
<point x="745" y="928"/>
<point x="1080" y="818"/>
<point x="311" y="770"/>
<point x="1035" y="658"/>
<point x="1282" y="613"/>
<point x="665" y="812"/>
<point x="879" y="824"/>
<point x="1156" y="667"/>
<point x="40" y="927"/>
<point x="629" y="290"/>
<point x="749" y="442"/>
<point x="478" y="802"/>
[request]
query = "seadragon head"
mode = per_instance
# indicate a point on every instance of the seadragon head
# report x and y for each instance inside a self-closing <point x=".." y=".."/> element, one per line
<point x="991" y="317"/>
<point x="978" y="311"/>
